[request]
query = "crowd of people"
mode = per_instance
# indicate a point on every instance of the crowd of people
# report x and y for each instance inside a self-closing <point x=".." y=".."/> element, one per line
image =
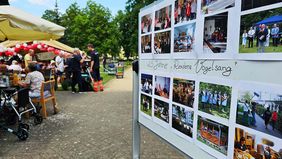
<point x="146" y="86"/>
<point x="214" y="99"/>
<point x="262" y="34"/>
<point x="146" y="44"/>
<point x="163" y="19"/>
<point x="183" y="93"/>
<point x="183" y="43"/>
<point x="162" y="43"/>
<point x="185" y="10"/>
<point x="146" y="24"/>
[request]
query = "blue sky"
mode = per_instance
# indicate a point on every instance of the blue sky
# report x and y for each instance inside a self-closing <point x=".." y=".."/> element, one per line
<point x="37" y="7"/>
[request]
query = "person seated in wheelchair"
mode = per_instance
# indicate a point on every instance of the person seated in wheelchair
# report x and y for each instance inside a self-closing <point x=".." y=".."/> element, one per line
<point x="33" y="80"/>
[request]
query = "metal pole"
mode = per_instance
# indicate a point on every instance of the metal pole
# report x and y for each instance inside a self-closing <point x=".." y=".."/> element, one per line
<point x="135" y="113"/>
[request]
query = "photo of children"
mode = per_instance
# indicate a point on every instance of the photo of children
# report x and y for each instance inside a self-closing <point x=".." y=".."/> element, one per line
<point x="161" y="110"/>
<point x="215" y="33"/>
<point x="251" y="4"/>
<point x="182" y="120"/>
<point x="263" y="30"/>
<point x="146" y="83"/>
<point x="210" y="6"/>
<point x="213" y="134"/>
<point x="184" y="37"/>
<point x="162" y="86"/>
<point x="146" y="45"/>
<point x="146" y="24"/>
<point x="260" y="110"/>
<point x="183" y="92"/>
<point x="185" y="10"/>
<point x="254" y="146"/>
<point x="162" y="43"/>
<point x="163" y="18"/>
<point x="215" y="99"/>
<point x="146" y="104"/>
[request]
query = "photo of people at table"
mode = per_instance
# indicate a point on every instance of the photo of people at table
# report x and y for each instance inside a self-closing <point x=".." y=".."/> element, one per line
<point x="250" y="145"/>
<point x="146" y="104"/>
<point x="215" y="33"/>
<point x="260" y="110"/>
<point x="162" y="86"/>
<point x="210" y="6"/>
<point x="183" y="92"/>
<point x="213" y="134"/>
<point x="252" y="4"/>
<point x="163" y="18"/>
<point x="146" y="24"/>
<point x="185" y="10"/>
<point x="184" y="38"/>
<point x="182" y="120"/>
<point x="146" y="83"/>
<point x="215" y="99"/>
<point x="162" y="43"/>
<point x="261" y="32"/>
<point x="161" y="110"/>
<point x="146" y="45"/>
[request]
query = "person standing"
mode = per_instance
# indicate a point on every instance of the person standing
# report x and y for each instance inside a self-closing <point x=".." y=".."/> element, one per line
<point x="193" y="9"/>
<point x="244" y="38"/>
<point x="77" y="60"/>
<point x="262" y="34"/>
<point x="267" y="37"/>
<point x="274" y="119"/>
<point x="104" y="62"/>
<point x="246" y="113"/>
<point x="95" y="68"/>
<point x="28" y="57"/>
<point x="251" y="35"/>
<point x="275" y="35"/>
<point x="267" y="116"/>
<point x="60" y="67"/>
<point x="254" y="110"/>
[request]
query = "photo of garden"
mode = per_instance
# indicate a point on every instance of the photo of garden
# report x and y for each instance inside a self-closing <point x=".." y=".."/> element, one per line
<point x="161" y="109"/>
<point x="146" y="104"/>
<point x="182" y="120"/>
<point x="183" y="92"/>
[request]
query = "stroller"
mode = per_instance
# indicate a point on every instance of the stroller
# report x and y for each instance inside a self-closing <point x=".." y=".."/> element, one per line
<point x="10" y="111"/>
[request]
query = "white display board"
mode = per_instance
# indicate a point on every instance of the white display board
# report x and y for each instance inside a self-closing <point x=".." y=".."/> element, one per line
<point x="202" y="87"/>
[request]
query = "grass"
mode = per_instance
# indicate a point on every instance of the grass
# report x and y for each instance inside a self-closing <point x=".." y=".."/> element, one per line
<point x="148" y="112"/>
<point x="215" y="110"/>
<point x="255" y="49"/>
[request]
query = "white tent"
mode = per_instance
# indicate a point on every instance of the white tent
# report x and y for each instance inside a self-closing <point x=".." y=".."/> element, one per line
<point x="19" y="25"/>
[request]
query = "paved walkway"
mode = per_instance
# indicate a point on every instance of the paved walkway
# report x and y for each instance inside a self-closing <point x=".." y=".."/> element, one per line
<point x="88" y="126"/>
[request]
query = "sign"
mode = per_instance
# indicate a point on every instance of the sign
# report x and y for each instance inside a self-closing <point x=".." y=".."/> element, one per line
<point x="45" y="56"/>
<point x="210" y="78"/>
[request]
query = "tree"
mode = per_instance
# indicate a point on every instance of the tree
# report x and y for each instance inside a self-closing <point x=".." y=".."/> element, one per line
<point x="53" y="15"/>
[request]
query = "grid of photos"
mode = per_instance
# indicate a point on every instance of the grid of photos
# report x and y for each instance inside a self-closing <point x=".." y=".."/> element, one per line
<point x="260" y="32"/>
<point x="215" y="99"/>
<point x="261" y="111"/>
<point x="184" y="10"/>
<point x="146" y="24"/>
<point x="183" y="92"/>
<point x="184" y="38"/>
<point x="215" y="33"/>
<point x="211" y="6"/>
<point x="182" y="120"/>
<point x="146" y="44"/>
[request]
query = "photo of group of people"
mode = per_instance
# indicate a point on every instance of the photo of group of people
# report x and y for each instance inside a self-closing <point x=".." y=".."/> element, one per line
<point x="254" y="146"/>
<point x="162" y="43"/>
<point x="146" y="45"/>
<point x="182" y="120"/>
<point x="162" y="86"/>
<point x="163" y="18"/>
<point x="261" y="32"/>
<point x="215" y="33"/>
<point x="251" y="4"/>
<point x="183" y="92"/>
<point x="146" y="104"/>
<point x="260" y="110"/>
<point x="161" y="110"/>
<point x="146" y="24"/>
<point x="213" y="134"/>
<point x="210" y="6"/>
<point x="146" y="83"/>
<point x="184" y="38"/>
<point x="185" y="10"/>
<point x="215" y="99"/>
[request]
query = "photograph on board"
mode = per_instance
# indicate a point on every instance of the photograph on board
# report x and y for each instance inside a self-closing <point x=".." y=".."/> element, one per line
<point x="251" y="4"/>
<point x="162" y="86"/>
<point x="163" y="18"/>
<point x="210" y="6"/>
<point x="215" y="33"/>
<point x="162" y="43"/>
<point x="185" y="10"/>
<point x="161" y="110"/>
<point x="252" y="145"/>
<point x="260" y="110"/>
<point x="182" y="120"/>
<point x="261" y="32"/>
<point x="146" y="83"/>
<point x="146" y="45"/>
<point x="146" y="24"/>
<point x="213" y="134"/>
<point x="215" y="99"/>
<point x="183" y="92"/>
<point x="184" y="38"/>
<point x="146" y="104"/>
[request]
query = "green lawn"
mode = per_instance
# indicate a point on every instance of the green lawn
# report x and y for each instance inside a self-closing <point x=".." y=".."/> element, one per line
<point x="255" y="49"/>
<point x="215" y="110"/>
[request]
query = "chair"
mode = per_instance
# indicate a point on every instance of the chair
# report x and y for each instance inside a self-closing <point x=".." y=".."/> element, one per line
<point x="47" y="93"/>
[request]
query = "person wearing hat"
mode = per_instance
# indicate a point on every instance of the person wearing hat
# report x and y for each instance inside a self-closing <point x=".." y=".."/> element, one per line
<point x="15" y="66"/>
